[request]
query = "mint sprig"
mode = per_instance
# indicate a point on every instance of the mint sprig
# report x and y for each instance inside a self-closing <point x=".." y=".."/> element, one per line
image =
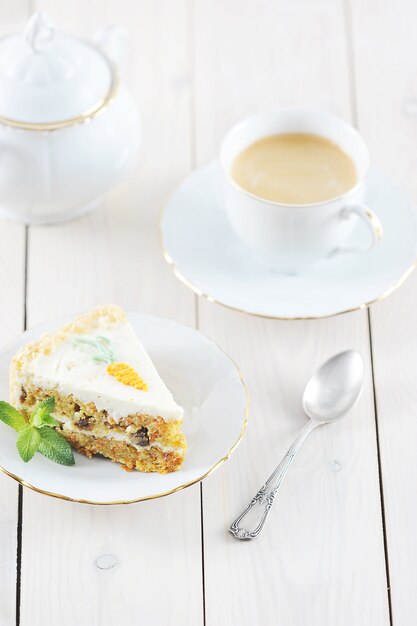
<point x="28" y="440"/>
<point x="11" y="416"/>
<point x="39" y="434"/>
<point x="55" y="447"/>
<point x="41" y="415"/>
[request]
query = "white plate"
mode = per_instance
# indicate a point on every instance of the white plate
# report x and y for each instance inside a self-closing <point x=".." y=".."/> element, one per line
<point x="202" y="378"/>
<point x="208" y="257"/>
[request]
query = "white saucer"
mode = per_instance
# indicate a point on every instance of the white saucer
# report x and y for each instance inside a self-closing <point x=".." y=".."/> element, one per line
<point x="202" y="379"/>
<point x="208" y="257"/>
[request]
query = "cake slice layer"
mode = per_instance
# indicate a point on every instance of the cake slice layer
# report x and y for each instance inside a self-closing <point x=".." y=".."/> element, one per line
<point x="109" y="397"/>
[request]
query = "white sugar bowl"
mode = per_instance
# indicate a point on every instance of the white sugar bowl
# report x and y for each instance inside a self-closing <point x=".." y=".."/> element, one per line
<point x="68" y="126"/>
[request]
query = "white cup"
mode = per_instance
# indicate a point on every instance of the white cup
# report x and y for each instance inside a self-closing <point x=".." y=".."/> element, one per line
<point x="291" y="238"/>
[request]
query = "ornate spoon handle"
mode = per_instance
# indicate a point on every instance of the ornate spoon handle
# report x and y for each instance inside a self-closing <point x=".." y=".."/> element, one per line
<point x="259" y="507"/>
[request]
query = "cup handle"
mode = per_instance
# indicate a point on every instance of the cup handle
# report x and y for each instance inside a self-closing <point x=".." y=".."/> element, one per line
<point x="372" y="222"/>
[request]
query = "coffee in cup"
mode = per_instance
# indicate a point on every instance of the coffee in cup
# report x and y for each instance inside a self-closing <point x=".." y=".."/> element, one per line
<point x="293" y="187"/>
<point x="294" y="168"/>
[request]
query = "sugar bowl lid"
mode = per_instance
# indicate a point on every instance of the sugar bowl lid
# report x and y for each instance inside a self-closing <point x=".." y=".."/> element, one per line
<point x="49" y="79"/>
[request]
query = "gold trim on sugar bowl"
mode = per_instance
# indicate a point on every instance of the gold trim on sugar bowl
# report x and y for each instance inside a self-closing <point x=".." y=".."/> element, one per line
<point x="88" y="115"/>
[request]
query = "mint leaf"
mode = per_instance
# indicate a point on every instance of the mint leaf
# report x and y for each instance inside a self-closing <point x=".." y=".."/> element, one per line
<point x="55" y="447"/>
<point x="39" y="433"/>
<point x="28" y="441"/>
<point x="41" y="415"/>
<point x="11" y="416"/>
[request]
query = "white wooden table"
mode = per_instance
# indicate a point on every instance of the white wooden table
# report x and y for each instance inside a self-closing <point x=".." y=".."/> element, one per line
<point x="340" y="548"/>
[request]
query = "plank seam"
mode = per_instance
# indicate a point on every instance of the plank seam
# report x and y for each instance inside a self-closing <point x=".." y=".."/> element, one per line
<point x="25" y="278"/>
<point x="193" y="163"/>
<point x="381" y="483"/>
<point x="20" y="489"/>
<point x="19" y="552"/>
<point x="355" y="118"/>
<point x="203" y="572"/>
<point x="192" y="103"/>
<point x="351" y="62"/>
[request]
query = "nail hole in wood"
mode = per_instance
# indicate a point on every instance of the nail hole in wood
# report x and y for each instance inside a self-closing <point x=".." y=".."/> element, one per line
<point x="106" y="561"/>
<point x="335" y="465"/>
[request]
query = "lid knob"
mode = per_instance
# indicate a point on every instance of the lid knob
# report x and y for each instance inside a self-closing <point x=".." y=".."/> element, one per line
<point x="39" y="32"/>
<point x="50" y="78"/>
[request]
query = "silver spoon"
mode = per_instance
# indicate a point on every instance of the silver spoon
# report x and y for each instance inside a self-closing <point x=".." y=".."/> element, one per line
<point x="331" y="391"/>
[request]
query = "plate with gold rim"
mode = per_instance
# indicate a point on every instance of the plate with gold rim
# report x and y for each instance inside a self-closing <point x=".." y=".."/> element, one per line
<point x="203" y="380"/>
<point x="208" y="257"/>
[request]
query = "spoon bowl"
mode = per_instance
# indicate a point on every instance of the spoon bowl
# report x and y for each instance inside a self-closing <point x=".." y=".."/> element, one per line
<point x="334" y="388"/>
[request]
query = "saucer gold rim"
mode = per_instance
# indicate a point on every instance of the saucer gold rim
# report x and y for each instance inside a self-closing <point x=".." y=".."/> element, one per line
<point x="210" y="298"/>
<point x="194" y="288"/>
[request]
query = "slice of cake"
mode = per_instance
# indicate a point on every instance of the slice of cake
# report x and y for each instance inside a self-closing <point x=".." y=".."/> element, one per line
<point x="109" y="398"/>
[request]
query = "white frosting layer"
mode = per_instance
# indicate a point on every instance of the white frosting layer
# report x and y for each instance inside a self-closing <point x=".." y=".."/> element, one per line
<point x="111" y="434"/>
<point x="71" y="369"/>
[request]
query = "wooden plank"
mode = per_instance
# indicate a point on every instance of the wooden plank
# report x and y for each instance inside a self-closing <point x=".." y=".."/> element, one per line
<point x="385" y="49"/>
<point x="321" y="556"/>
<point x="12" y="277"/>
<point x="139" y="564"/>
